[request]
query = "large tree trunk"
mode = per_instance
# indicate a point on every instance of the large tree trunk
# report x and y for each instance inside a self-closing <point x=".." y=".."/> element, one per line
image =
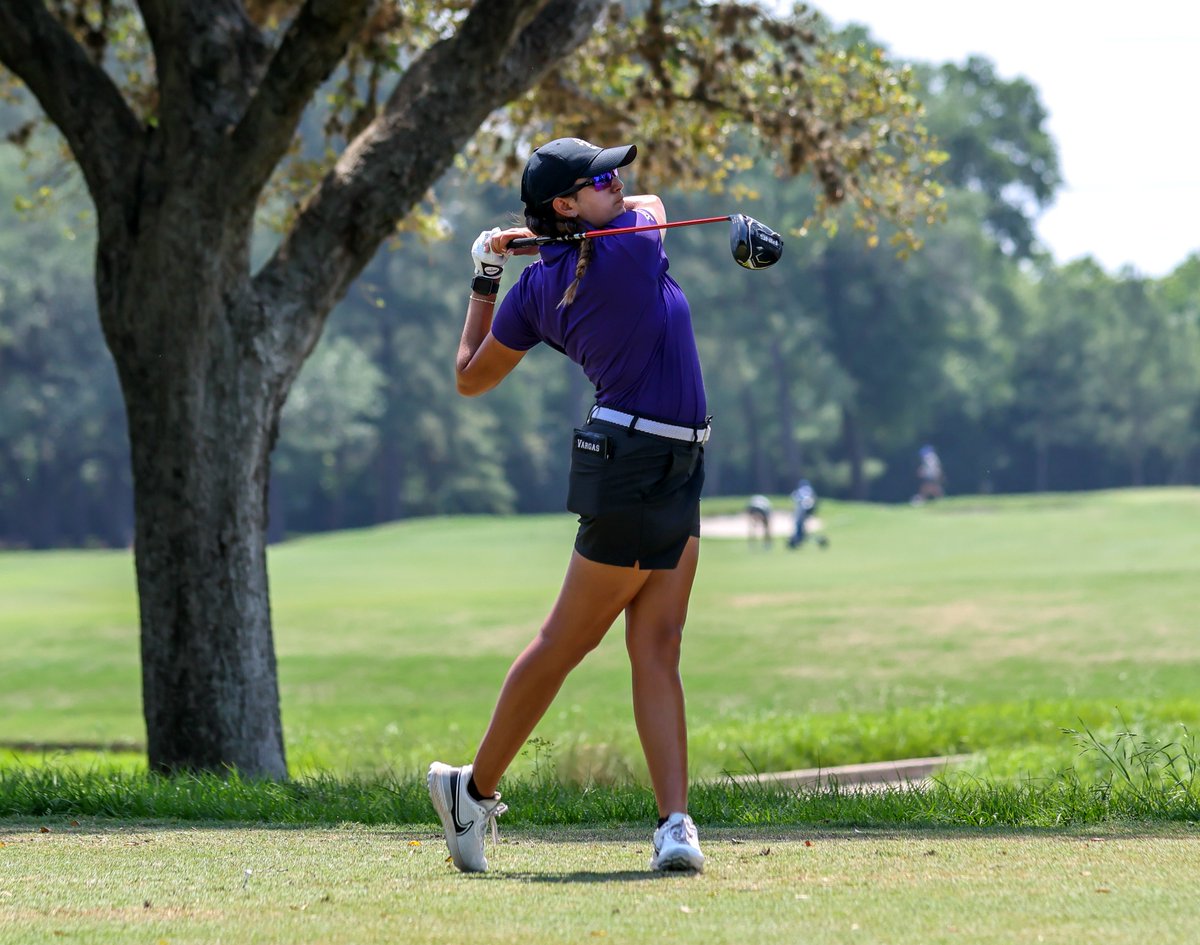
<point x="200" y="462"/>
<point x="202" y="421"/>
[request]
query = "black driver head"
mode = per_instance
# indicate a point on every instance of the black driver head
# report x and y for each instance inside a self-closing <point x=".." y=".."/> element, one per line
<point x="754" y="246"/>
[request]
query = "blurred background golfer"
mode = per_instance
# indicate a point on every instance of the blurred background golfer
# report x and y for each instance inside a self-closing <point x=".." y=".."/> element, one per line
<point x="637" y="468"/>
<point x="758" y="511"/>
<point x="804" y="504"/>
<point x="930" y="477"/>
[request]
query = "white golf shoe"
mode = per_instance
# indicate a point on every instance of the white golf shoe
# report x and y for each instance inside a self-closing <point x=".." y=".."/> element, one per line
<point x="464" y="819"/>
<point x="677" y="846"/>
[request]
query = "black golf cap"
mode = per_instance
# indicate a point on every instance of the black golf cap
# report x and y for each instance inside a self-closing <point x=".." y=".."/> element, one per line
<point x="554" y="167"/>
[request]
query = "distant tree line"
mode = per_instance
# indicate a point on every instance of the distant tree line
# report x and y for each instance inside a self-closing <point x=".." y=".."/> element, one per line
<point x="837" y="364"/>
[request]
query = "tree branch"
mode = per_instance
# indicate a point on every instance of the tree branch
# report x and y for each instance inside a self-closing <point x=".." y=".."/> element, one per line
<point x="164" y="22"/>
<point x="76" y="94"/>
<point x="438" y="105"/>
<point x="157" y="17"/>
<point x="312" y="47"/>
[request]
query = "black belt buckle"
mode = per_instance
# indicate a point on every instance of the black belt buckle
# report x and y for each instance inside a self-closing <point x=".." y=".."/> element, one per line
<point x="594" y="444"/>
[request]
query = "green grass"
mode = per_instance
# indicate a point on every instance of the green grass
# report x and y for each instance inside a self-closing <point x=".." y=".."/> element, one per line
<point x="974" y="625"/>
<point x="102" y="883"/>
<point x="1054" y="638"/>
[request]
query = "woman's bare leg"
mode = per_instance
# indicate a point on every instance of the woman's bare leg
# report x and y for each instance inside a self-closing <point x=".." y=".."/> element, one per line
<point x="592" y="597"/>
<point x="653" y="634"/>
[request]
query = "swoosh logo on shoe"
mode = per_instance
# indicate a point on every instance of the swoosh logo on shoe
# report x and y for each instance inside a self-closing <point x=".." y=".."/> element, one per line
<point x="459" y="827"/>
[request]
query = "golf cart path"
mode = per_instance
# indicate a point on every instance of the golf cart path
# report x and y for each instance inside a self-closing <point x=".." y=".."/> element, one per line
<point x="901" y="773"/>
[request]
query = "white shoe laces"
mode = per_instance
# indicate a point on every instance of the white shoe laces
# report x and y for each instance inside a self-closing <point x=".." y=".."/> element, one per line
<point x="489" y="816"/>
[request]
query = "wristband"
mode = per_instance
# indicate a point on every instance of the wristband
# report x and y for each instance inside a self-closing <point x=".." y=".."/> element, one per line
<point x="485" y="285"/>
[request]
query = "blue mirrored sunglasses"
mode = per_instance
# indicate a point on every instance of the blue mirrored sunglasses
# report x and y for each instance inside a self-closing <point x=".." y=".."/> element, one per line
<point x="600" y="182"/>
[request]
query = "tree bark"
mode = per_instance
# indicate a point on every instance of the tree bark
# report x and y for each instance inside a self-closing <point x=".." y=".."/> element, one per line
<point x="200" y="464"/>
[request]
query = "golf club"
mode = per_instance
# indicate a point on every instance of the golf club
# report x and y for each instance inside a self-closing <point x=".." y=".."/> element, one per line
<point x="753" y="245"/>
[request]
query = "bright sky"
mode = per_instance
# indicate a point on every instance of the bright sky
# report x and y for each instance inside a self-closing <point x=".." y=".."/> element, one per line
<point x="1120" y="84"/>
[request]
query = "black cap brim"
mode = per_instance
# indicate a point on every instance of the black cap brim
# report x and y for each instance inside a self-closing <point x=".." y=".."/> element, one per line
<point x="611" y="158"/>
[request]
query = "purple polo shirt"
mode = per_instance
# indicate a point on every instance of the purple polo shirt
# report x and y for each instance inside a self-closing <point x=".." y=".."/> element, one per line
<point x="629" y="328"/>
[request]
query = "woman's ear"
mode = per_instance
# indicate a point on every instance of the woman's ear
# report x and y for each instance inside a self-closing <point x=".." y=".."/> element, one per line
<point x="564" y="207"/>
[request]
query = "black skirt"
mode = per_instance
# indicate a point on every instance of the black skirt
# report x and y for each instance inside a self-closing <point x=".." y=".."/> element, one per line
<point x="637" y="495"/>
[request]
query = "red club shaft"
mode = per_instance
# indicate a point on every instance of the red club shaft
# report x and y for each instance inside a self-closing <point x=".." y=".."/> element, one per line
<point x="589" y="234"/>
<point x="592" y="234"/>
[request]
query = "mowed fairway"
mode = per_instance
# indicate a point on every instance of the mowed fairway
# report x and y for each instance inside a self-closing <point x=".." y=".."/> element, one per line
<point x="101" y="883"/>
<point x="981" y="625"/>
<point x="977" y="624"/>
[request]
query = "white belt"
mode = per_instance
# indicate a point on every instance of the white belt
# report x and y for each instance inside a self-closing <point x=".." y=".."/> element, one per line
<point x="642" y="425"/>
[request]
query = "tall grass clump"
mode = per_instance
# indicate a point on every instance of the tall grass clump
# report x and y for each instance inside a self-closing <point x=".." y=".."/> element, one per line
<point x="1160" y="774"/>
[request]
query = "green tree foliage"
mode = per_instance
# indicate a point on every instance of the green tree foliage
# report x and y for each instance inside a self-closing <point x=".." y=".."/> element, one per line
<point x="993" y="133"/>
<point x="331" y="431"/>
<point x="1179" y="295"/>
<point x="1108" y="363"/>
<point x="1057" y="375"/>
<point x="710" y="87"/>
<point x="1147" y="355"/>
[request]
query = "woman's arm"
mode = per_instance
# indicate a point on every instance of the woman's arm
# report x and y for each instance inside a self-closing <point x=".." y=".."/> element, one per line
<point x="483" y="362"/>
<point x="650" y="203"/>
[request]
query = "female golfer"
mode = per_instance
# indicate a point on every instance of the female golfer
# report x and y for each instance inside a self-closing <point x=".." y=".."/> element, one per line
<point x="637" y="468"/>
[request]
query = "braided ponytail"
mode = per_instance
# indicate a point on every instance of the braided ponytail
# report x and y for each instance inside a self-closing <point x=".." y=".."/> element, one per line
<point x="554" y="225"/>
<point x="585" y="257"/>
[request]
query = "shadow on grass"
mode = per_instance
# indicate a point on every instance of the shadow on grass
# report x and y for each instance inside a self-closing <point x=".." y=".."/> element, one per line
<point x="579" y="876"/>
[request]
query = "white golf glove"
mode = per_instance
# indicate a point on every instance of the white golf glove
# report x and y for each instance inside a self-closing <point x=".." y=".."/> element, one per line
<point x="487" y="263"/>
